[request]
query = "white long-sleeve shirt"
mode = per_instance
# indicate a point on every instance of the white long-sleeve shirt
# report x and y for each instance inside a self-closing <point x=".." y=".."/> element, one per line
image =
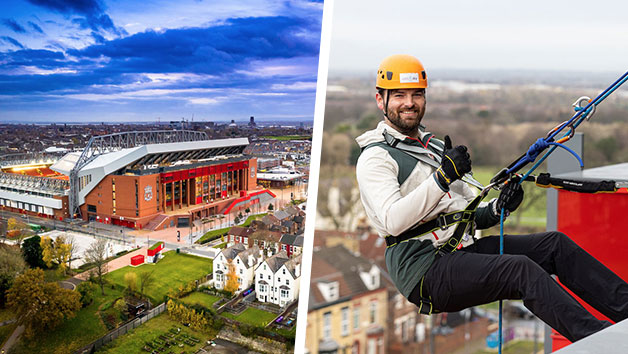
<point x="394" y="208"/>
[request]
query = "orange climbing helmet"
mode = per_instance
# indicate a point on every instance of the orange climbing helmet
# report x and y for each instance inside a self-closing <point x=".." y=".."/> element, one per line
<point x="401" y="71"/>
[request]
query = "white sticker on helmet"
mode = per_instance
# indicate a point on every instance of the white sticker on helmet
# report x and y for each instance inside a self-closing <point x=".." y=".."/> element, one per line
<point x="408" y="77"/>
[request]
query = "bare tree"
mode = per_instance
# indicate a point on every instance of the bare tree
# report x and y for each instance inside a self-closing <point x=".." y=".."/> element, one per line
<point x="146" y="279"/>
<point x="97" y="254"/>
<point x="72" y="249"/>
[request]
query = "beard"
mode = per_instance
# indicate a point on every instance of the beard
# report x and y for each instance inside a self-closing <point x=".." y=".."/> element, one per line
<point x="405" y="126"/>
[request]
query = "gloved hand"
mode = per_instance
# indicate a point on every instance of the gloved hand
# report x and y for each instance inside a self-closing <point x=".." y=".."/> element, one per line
<point x="510" y="196"/>
<point x="455" y="163"/>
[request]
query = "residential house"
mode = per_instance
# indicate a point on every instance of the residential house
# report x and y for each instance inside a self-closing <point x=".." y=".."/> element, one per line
<point x="245" y="264"/>
<point x="268" y="241"/>
<point x="300" y="221"/>
<point x="238" y="234"/>
<point x="277" y="279"/>
<point x="258" y="225"/>
<point x="348" y="304"/>
<point x="282" y="215"/>
<point x="287" y="281"/>
<point x="292" y="244"/>
<point x="221" y="264"/>
<point x="288" y="227"/>
<point x="294" y="210"/>
<point x="270" y="219"/>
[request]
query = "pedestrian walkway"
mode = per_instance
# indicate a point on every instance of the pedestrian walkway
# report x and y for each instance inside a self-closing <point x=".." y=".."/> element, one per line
<point x="115" y="264"/>
<point x="13" y="338"/>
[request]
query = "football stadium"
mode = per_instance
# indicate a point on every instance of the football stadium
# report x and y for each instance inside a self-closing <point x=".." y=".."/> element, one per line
<point x="141" y="180"/>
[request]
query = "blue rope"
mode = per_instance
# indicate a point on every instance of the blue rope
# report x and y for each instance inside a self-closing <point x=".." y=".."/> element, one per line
<point x="538" y="147"/>
<point x="501" y="251"/>
<point x="581" y="113"/>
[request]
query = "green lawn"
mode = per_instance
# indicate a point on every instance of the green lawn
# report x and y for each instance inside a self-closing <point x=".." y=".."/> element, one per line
<point x="222" y="245"/>
<point x="212" y="234"/>
<point x="172" y="270"/>
<point x="200" y="298"/>
<point x="218" y="232"/>
<point x="134" y="341"/>
<point x="75" y="333"/>
<point x="250" y="219"/>
<point x="252" y="316"/>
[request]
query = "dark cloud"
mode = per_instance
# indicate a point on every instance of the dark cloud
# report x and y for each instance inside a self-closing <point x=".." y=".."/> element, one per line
<point x="39" y="58"/>
<point x="213" y="50"/>
<point x="221" y="51"/>
<point x="13" y="41"/>
<point x="98" y="38"/>
<point x="12" y="24"/>
<point x="83" y="7"/>
<point x="35" y="27"/>
<point x="92" y="13"/>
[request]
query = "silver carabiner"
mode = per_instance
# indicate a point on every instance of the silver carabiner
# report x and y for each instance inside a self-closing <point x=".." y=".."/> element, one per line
<point x="579" y="105"/>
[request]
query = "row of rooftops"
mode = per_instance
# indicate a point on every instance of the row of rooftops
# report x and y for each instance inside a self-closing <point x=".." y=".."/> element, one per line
<point x="251" y="256"/>
<point x="284" y="226"/>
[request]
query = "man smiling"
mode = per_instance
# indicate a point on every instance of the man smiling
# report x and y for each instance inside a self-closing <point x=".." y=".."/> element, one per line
<point x="415" y="192"/>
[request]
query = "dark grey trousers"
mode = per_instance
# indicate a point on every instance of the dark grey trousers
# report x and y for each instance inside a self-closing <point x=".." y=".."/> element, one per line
<point x="477" y="275"/>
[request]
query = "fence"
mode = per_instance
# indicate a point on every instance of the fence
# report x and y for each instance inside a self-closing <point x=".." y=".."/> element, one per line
<point x="114" y="334"/>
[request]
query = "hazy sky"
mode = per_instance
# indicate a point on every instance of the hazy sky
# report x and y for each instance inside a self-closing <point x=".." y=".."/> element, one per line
<point x="137" y="60"/>
<point x="482" y="34"/>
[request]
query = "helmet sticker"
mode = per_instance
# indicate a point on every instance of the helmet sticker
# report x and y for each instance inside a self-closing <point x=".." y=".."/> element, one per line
<point x="408" y="77"/>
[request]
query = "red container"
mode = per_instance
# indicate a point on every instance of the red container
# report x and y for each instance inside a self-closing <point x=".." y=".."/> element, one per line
<point x="137" y="260"/>
<point x="597" y="223"/>
<point x="153" y="251"/>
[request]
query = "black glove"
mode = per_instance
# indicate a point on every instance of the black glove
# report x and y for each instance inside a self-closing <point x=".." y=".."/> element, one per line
<point x="455" y="163"/>
<point x="510" y="197"/>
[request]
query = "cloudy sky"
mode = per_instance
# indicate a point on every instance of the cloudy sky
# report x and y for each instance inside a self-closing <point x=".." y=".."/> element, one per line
<point x="575" y="35"/>
<point x="119" y="60"/>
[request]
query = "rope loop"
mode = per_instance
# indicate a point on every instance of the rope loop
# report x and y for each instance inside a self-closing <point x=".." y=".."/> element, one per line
<point x="536" y="149"/>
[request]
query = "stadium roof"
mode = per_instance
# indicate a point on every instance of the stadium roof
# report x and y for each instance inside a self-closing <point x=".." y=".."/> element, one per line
<point x="106" y="163"/>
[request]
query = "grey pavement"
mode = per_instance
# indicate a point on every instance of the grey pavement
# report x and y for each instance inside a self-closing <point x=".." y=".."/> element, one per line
<point x="13" y="338"/>
<point x="223" y="346"/>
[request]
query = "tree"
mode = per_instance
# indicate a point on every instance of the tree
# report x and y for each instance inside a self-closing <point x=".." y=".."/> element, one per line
<point x="41" y="306"/>
<point x="32" y="252"/>
<point x="11" y="265"/>
<point x="130" y="279"/>
<point x="121" y="306"/>
<point x="56" y="252"/>
<point x="86" y="290"/>
<point x="16" y="229"/>
<point x="247" y="210"/>
<point x="232" y="278"/>
<point x="146" y="280"/>
<point x="97" y="254"/>
<point x="270" y="207"/>
<point x="72" y="249"/>
<point x="47" y="250"/>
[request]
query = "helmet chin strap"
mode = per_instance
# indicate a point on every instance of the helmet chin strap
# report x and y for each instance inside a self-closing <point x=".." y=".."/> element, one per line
<point x="386" y="104"/>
